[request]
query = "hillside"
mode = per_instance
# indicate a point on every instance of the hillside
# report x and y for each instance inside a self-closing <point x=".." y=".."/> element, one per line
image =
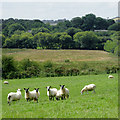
<point x="60" y="55"/>
<point x="53" y="63"/>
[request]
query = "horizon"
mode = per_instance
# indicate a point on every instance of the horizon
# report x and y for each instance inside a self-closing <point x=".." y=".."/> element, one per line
<point x="58" y="10"/>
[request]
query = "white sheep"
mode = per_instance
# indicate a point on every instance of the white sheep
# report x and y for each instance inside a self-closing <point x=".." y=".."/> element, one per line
<point x="64" y="92"/>
<point x="59" y="95"/>
<point x="32" y="95"/>
<point x="90" y="87"/>
<point x="110" y="76"/>
<point x="6" y="82"/>
<point x="14" y="96"/>
<point x="51" y="92"/>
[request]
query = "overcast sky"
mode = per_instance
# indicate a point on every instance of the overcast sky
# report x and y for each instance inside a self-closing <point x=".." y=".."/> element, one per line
<point x="57" y="10"/>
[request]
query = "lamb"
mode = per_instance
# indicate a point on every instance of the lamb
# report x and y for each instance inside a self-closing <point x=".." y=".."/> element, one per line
<point x="110" y="76"/>
<point x="90" y="87"/>
<point x="64" y="92"/>
<point x="51" y="92"/>
<point x="14" y="96"/>
<point x="6" y="82"/>
<point x="32" y="95"/>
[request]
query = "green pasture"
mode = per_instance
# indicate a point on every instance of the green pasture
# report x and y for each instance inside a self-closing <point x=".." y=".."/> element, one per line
<point x="103" y="104"/>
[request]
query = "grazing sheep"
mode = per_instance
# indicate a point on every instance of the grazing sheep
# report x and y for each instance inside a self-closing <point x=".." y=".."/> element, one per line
<point x="6" y="82"/>
<point x="51" y="92"/>
<point x="32" y="95"/>
<point x="64" y="92"/>
<point x="14" y="96"/>
<point x="90" y="87"/>
<point x="110" y="76"/>
<point x="59" y="95"/>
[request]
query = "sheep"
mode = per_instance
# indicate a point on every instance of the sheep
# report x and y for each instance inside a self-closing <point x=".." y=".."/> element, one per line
<point x="90" y="87"/>
<point x="59" y="95"/>
<point x="110" y="76"/>
<point x="14" y="96"/>
<point x="32" y="95"/>
<point x="6" y="82"/>
<point x="64" y="92"/>
<point x="51" y="92"/>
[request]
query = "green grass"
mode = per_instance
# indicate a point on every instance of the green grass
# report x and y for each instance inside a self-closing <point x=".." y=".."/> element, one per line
<point x="103" y="104"/>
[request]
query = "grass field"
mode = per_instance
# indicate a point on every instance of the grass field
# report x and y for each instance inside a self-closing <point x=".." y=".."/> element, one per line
<point x="103" y="104"/>
<point x="60" y="55"/>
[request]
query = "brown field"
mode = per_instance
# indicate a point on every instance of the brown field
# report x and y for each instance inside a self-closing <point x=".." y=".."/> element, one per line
<point x="60" y="55"/>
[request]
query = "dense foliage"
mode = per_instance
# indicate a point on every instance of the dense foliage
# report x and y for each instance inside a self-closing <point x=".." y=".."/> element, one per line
<point x="12" y="69"/>
<point x="69" y="34"/>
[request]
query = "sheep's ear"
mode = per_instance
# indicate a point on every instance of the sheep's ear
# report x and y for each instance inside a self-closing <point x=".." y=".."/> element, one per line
<point x="28" y="88"/>
<point x="63" y="85"/>
<point x="50" y="86"/>
<point x="38" y="88"/>
<point x="35" y="88"/>
<point x="45" y="87"/>
<point x="60" y="85"/>
<point x="24" y="89"/>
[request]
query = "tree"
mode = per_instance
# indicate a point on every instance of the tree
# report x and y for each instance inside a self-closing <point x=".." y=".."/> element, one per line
<point x="37" y="30"/>
<point x="3" y="38"/>
<point x="56" y="39"/>
<point x="77" y="22"/>
<point x="100" y="24"/>
<point x="71" y="31"/>
<point x="86" y="40"/>
<point x="110" y="46"/>
<point x="88" y="22"/>
<point x="66" y="41"/>
<point x="8" y="43"/>
<point x="13" y="27"/>
<point x="113" y="44"/>
<point x="110" y="22"/>
<point x="115" y="26"/>
<point x="44" y="40"/>
<point x="26" y="41"/>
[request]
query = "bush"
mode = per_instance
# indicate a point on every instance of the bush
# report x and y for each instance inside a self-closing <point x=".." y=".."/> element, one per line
<point x="72" y="72"/>
<point x="113" y="69"/>
<point x="67" y="60"/>
<point x="48" y="64"/>
<point x="60" y="71"/>
<point x="25" y="64"/>
<point x="8" y="66"/>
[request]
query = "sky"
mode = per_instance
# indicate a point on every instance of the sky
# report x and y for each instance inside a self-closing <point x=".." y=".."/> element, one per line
<point x="48" y="10"/>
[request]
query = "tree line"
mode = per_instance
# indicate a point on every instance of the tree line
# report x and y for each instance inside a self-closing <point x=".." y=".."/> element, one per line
<point x="78" y="33"/>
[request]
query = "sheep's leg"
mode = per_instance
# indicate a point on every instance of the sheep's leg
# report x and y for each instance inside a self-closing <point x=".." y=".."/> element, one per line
<point x="94" y="91"/>
<point x="49" y="98"/>
<point x="62" y="98"/>
<point x="67" y="96"/>
<point x="27" y="99"/>
<point x="87" y="91"/>
<point x="8" y="102"/>
<point x="53" y="98"/>
<point x="57" y="98"/>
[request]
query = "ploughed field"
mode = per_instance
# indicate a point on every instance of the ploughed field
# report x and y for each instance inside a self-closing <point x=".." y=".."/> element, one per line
<point x="102" y="104"/>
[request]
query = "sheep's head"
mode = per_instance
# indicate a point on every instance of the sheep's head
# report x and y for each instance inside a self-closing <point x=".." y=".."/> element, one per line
<point x="26" y="90"/>
<point x="62" y="86"/>
<point x="82" y="91"/>
<point x="48" y="88"/>
<point x="36" y="89"/>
